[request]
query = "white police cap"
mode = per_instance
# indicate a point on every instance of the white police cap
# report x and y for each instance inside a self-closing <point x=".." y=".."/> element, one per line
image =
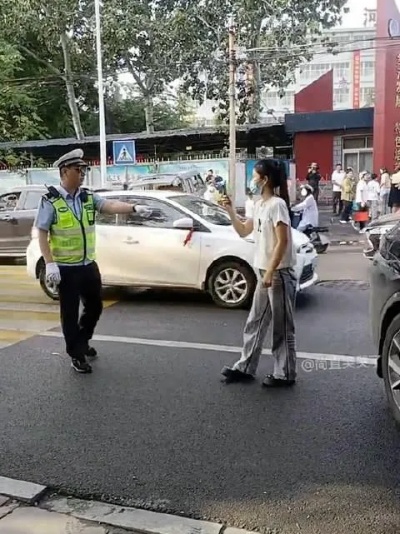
<point x="75" y="157"/>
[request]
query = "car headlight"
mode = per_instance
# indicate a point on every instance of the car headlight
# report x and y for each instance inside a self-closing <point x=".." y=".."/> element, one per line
<point x="380" y="230"/>
<point x="307" y="248"/>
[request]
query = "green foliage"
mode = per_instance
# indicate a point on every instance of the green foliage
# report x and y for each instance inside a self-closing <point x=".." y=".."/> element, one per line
<point x="18" y="117"/>
<point x="275" y="35"/>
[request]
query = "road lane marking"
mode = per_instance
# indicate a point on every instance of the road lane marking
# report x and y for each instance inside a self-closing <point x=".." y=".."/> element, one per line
<point x="25" y="311"/>
<point x="361" y="360"/>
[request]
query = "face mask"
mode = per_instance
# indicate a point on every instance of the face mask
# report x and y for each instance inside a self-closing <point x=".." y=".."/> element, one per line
<point x="303" y="193"/>
<point x="255" y="188"/>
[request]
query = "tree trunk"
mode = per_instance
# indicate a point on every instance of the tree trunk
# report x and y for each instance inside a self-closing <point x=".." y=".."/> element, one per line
<point x="75" y="115"/>
<point x="149" y="114"/>
<point x="255" y="107"/>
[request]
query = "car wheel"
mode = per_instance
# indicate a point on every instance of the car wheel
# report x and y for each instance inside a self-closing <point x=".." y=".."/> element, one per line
<point x="391" y="367"/>
<point x="232" y="285"/>
<point x="321" y="249"/>
<point x="50" y="289"/>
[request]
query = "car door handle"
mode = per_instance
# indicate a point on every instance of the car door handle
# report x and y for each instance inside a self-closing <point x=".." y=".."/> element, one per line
<point x="131" y="242"/>
<point x="8" y="218"/>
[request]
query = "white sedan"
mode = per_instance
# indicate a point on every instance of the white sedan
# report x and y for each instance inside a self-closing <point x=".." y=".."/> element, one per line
<point x="180" y="241"/>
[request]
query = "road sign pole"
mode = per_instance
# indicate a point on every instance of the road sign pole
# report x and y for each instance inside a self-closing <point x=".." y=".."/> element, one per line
<point x="102" y="119"/>
<point x="232" y="109"/>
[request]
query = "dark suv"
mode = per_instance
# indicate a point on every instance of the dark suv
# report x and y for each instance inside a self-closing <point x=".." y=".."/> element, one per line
<point x="385" y="314"/>
<point x="376" y="229"/>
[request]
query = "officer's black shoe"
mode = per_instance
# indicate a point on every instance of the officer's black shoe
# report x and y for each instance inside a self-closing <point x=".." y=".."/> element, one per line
<point x="91" y="352"/>
<point x="81" y="366"/>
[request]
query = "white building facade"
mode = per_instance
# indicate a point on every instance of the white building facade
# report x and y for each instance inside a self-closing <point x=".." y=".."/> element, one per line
<point x="353" y="73"/>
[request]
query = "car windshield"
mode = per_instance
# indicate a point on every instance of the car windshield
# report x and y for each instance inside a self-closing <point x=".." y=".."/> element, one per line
<point x="210" y="212"/>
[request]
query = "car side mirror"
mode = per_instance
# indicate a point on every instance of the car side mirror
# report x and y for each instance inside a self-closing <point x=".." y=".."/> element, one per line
<point x="186" y="223"/>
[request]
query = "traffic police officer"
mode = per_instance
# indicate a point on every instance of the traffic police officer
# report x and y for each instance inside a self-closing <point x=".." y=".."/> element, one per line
<point x="67" y="239"/>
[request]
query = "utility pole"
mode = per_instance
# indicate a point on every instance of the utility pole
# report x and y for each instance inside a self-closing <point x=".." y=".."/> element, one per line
<point x="232" y="109"/>
<point x="102" y="120"/>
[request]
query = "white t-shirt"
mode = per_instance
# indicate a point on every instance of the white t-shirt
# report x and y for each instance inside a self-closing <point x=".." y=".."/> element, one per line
<point x="267" y="215"/>
<point x="362" y="192"/>
<point x="338" y="177"/>
<point x="373" y="190"/>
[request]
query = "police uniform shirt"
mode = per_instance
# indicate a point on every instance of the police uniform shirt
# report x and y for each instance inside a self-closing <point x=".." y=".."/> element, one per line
<point x="45" y="216"/>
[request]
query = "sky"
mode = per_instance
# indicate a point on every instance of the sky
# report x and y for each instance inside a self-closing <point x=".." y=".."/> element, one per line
<point x="356" y="16"/>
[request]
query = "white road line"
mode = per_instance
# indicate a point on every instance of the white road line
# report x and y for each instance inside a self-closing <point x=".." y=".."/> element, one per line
<point x="360" y="360"/>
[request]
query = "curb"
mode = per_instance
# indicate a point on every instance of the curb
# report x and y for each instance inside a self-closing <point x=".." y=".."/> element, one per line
<point x="339" y="242"/>
<point x="13" y="492"/>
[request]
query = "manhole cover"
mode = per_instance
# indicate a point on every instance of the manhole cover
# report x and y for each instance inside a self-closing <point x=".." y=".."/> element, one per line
<point x="345" y="284"/>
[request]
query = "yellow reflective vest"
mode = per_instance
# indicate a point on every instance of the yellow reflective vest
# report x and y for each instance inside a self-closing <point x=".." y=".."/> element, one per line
<point x="73" y="240"/>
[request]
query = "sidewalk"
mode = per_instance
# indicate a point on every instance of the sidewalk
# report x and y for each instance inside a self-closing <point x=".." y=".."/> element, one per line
<point x="339" y="234"/>
<point x="27" y="508"/>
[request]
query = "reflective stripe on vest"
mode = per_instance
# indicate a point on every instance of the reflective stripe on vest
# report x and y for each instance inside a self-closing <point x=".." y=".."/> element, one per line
<point x="73" y="240"/>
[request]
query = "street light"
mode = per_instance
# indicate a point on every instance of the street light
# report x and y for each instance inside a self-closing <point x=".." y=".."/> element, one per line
<point x="102" y="119"/>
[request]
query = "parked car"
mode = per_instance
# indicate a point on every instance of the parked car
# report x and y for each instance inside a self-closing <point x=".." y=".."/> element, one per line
<point x="17" y="213"/>
<point x="385" y="314"/>
<point x="376" y="229"/>
<point x="183" y="241"/>
<point x="189" y="182"/>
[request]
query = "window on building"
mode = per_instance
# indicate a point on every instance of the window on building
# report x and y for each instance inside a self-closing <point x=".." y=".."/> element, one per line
<point x="341" y="95"/>
<point x="367" y="69"/>
<point x="351" y="143"/>
<point x="342" y="70"/>
<point x="367" y="96"/>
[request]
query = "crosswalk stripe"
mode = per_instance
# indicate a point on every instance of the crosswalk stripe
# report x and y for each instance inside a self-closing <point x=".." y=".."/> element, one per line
<point x="25" y="311"/>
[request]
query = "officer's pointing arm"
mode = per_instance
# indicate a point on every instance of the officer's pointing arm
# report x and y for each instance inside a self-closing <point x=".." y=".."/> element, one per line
<point x="115" y="207"/>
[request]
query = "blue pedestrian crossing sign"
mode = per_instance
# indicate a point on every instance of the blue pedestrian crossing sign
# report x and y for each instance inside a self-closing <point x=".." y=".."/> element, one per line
<point x="124" y="152"/>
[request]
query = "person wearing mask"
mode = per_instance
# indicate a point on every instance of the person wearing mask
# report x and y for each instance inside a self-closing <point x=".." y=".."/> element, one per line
<point x="337" y="179"/>
<point x="66" y="224"/>
<point x="347" y="195"/>
<point x="313" y="179"/>
<point x="308" y="207"/>
<point x="385" y="191"/>
<point x="274" y="298"/>
<point x="373" y="194"/>
<point x="212" y="194"/>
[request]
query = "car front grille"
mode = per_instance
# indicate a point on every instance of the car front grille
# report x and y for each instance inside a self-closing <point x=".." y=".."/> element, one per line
<point x="307" y="274"/>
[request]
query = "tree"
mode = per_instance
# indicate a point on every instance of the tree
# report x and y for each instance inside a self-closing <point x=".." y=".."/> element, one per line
<point x="145" y="39"/>
<point x="19" y="120"/>
<point x="276" y="36"/>
<point x="58" y="37"/>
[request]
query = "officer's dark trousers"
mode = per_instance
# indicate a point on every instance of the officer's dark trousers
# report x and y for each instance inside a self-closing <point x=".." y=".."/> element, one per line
<point x="79" y="284"/>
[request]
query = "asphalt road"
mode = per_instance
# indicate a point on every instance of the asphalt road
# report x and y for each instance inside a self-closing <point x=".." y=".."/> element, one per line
<point x="154" y="427"/>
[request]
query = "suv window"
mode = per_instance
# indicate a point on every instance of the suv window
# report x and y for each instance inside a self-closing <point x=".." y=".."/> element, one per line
<point x="160" y="214"/>
<point x="9" y="201"/>
<point x="32" y="200"/>
<point x="104" y="218"/>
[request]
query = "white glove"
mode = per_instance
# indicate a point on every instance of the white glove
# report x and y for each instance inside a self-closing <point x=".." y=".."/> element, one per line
<point x="53" y="273"/>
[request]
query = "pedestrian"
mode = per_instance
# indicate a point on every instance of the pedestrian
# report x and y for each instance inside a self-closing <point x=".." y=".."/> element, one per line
<point x="347" y="195"/>
<point x="361" y="199"/>
<point x="385" y="191"/>
<point x="337" y="179"/>
<point x="274" y="297"/>
<point x="313" y="179"/>
<point x="66" y="225"/>
<point x="308" y="209"/>
<point x="373" y="193"/>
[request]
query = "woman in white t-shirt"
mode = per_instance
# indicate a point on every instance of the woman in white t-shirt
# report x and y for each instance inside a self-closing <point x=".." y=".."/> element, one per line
<point x="274" y="298"/>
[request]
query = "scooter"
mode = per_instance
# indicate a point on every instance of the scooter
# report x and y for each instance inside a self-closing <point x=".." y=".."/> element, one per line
<point x="316" y="234"/>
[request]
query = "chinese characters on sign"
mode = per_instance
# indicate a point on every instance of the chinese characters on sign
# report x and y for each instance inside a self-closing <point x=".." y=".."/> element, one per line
<point x="397" y="124"/>
<point x="356" y="78"/>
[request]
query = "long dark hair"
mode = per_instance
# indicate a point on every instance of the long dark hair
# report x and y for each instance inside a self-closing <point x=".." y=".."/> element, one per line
<point x="275" y="172"/>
